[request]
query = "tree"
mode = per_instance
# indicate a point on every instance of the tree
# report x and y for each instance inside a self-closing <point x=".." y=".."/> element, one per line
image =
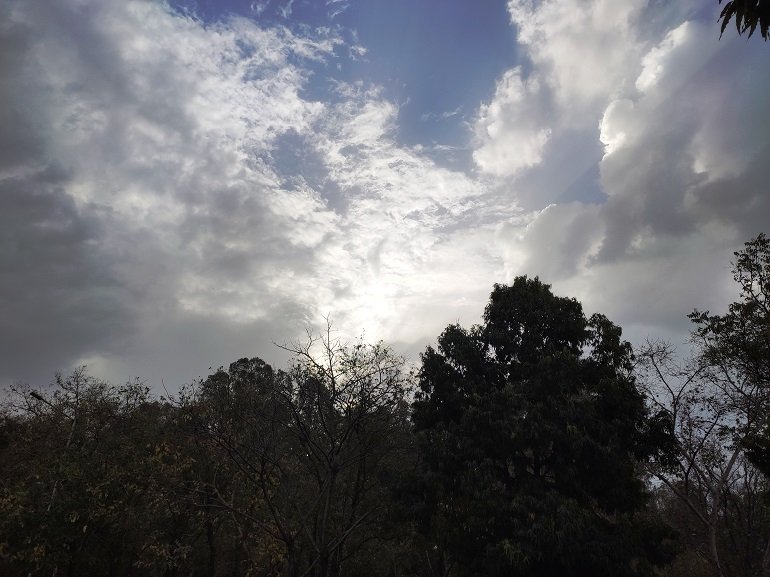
<point x="97" y="479"/>
<point x="74" y="470"/>
<point x="308" y="453"/>
<point x="717" y="404"/>
<point x="747" y="15"/>
<point x="530" y="430"/>
<point x="736" y="344"/>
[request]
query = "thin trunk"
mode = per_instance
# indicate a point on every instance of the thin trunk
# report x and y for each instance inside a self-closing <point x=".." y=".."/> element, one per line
<point x="323" y="564"/>
<point x="212" y="548"/>
<point x="766" y="561"/>
<point x="715" y="550"/>
<point x="292" y="564"/>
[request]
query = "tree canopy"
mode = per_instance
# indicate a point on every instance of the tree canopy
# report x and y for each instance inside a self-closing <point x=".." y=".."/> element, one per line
<point x="530" y="430"/>
<point x="535" y="443"/>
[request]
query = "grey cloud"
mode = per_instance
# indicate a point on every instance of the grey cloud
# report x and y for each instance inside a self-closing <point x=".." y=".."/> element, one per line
<point x="559" y="242"/>
<point x="22" y="115"/>
<point x="741" y="200"/>
<point x="576" y="154"/>
<point x="60" y="293"/>
<point x="652" y="183"/>
<point x="59" y="296"/>
<point x="693" y="153"/>
<point x="176" y="349"/>
<point x="132" y="208"/>
<point x="685" y="178"/>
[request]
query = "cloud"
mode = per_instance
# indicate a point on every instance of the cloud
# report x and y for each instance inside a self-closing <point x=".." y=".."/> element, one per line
<point x="175" y="177"/>
<point x="404" y="224"/>
<point x="259" y="7"/>
<point x="681" y="170"/>
<point x="56" y="286"/>
<point x="175" y="194"/>
<point x="286" y="10"/>
<point x="336" y="7"/>
<point x="668" y="143"/>
<point x="583" y="50"/>
<point x="511" y="130"/>
<point x="441" y="115"/>
<point x="142" y="190"/>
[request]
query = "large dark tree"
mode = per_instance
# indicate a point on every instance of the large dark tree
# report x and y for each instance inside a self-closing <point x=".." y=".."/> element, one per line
<point x="530" y="429"/>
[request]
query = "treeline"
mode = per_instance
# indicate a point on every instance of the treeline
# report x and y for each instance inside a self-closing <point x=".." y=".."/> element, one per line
<point x="536" y="443"/>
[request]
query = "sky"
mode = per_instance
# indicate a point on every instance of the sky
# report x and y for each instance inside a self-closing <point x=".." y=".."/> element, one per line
<point x="184" y="184"/>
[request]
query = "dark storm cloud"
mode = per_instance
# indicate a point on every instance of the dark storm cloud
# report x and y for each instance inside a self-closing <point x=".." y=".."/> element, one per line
<point x="60" y="297"/>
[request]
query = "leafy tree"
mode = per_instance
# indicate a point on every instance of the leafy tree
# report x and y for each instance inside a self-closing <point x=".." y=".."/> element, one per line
<point x="530" y="430"/>
<point x="747" y="15"/>
<point x="251" y="472"/>
<point x="736" y="343"/>
<point x="240" y="426"/>
<point x="74" y="470"/>
<point x="103" y="480"/>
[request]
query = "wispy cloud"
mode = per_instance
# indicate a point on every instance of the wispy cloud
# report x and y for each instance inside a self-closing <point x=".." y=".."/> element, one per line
<point x="259" y="7"/>
<point x="285" y="10"/>
<point x="337" y="7"/>
<point x="441" y="115"/>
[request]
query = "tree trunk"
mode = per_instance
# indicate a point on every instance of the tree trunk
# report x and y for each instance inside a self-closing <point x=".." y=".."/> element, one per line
<point x="212" y="568"/>
<point x="714" y="548"/>
<point x="766" y="561"/>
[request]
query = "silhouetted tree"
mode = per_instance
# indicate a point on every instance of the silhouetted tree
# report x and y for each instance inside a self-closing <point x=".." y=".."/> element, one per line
<point x="747" y="15"/>
<point x="311" y="451"/>
<point x="530" y="430"/>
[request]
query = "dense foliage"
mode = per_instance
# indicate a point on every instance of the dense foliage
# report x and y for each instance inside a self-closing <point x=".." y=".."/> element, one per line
<point x="531" y="430"/>
<point x="537" y="443"/>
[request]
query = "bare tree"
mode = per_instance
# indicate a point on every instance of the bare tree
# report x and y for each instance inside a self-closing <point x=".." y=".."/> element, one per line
<point x="714" y="403"/>
<point x="312" y="444"/>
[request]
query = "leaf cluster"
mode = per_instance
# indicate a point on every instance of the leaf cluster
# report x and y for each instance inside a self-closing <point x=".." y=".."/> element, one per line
<point x="747" y="15"/>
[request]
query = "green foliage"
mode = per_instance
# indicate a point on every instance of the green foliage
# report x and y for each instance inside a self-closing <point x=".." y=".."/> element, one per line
<point x="530" y="430"/>
<point x="738" y="340"/>
<point x="735" y="348"/>
<point x="76" y="472"/>
<point x="747" y="15"/>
